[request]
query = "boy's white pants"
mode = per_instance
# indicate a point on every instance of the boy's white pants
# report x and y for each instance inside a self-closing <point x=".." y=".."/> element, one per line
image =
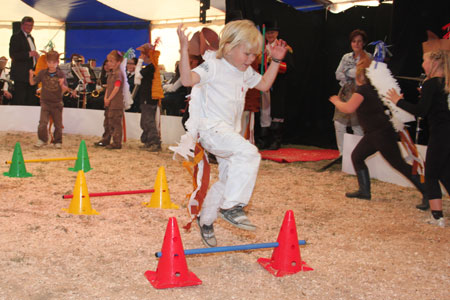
<point x="238" y="163"/>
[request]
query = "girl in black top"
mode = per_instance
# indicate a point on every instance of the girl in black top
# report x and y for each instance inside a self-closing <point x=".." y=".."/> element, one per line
<point x="435" y="106"/>
<point x="379" y="135"/>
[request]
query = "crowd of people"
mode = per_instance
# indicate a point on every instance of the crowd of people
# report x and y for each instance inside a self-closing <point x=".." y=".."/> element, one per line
<point x="215" y="85"/>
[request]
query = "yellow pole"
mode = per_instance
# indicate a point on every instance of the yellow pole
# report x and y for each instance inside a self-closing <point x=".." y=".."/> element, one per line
<point x="45" y="159"/>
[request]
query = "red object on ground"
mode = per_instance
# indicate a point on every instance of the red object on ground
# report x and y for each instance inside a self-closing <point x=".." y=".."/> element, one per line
<point x="114" y="193"/>
<point x="286" y="257"/>
<point x="293" y="154"/>
<point x="172" y="268"/>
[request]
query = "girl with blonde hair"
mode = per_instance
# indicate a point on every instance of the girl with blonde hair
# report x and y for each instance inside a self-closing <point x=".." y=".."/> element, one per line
<point x="435" y="106"/>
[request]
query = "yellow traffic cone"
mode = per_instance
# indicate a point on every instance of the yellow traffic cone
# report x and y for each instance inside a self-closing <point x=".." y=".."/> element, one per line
<point x="160" y="197"/>
<point x="81" y="204"/>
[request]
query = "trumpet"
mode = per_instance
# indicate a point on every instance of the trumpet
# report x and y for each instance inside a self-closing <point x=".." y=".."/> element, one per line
<point x="96" y="93"/>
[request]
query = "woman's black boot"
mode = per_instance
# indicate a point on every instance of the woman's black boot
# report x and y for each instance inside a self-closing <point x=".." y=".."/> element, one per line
<point x="364" y="186"/>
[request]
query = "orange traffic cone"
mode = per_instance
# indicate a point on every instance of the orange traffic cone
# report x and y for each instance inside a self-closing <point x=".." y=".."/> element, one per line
<point x="286" y="257"/>
<point x="81" y="203"/>
<point x="172" y="268"/>
<point x="160" y="197"/>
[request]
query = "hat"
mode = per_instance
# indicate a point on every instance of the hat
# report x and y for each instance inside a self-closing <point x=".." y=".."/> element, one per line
<point x="145" y="47"/>
<point x="194" y="44"/>
<point x="210" y="38"/>
<point x="272" y="26"/>
<point x="434" y="43"/>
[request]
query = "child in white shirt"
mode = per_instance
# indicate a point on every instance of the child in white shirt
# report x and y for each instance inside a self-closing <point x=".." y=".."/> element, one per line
<point x="217" y="102"/>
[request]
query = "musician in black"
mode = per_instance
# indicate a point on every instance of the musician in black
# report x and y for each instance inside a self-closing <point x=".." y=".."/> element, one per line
<point x="131" y="67"/>
<point x="22" y="51"/>
<point x="5" y="95"/>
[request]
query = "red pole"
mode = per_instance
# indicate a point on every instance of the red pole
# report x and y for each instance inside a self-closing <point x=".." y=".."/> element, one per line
<point x="113" y="193"/>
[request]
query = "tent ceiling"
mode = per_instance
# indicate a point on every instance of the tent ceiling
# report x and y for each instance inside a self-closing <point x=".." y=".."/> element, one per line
<point x="120" y="10"/>
<point x="334" y="6"/>
<point x="166" y="9"/>
<point x="79" y="11"/>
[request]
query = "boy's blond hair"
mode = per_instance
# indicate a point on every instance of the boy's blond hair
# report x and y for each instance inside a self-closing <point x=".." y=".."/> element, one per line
<point x="239" y="32"/>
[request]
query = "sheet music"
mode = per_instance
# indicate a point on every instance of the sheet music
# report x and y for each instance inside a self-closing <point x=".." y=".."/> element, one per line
<point x="82" y="73"/>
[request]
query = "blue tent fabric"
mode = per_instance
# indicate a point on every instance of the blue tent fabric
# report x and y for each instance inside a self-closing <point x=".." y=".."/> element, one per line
<point x="94" y="29"/>
<point x="95" y="41"/>
<point x="304" y="5"/>
<point x="79" y="11"/>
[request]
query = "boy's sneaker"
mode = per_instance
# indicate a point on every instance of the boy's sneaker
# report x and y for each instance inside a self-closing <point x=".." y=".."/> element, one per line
<point x="236" y="216"/>
<point x="438" y="222"/>
<point x="58" y="145"/>
<point x="207" y="233"/>
<point x="40" y="144"/>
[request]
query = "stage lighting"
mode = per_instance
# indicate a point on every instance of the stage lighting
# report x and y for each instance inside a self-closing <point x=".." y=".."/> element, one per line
<point x="204" y="6"/>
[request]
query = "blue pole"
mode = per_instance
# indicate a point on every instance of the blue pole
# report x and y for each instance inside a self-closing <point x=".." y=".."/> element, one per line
<point x="230" y="248"/>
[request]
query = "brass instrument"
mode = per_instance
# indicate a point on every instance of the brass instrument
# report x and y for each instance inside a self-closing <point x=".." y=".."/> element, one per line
<point x="96" y="93"/>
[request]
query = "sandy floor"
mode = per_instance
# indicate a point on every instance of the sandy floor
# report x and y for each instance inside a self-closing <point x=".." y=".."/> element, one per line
<point x="379" y="249"/>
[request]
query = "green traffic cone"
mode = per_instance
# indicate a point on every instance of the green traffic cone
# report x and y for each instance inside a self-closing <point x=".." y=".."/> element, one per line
<point x="82" y="162"/>
<point x="17" y="168"/>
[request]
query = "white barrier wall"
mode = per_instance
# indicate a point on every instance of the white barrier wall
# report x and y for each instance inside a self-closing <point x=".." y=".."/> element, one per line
<point x="379" y="168"/>
<point x="85" y="121"/>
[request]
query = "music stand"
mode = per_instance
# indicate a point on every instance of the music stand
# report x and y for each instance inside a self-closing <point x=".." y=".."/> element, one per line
<point x="85" y="78"/>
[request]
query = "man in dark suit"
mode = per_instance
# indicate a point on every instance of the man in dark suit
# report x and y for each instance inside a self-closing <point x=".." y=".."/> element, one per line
<point x="22" y="51"/>
<point x="131" y="67"/>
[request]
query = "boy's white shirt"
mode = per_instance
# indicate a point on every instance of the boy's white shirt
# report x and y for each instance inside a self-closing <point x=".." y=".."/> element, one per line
<point x="217" y="100"/>
<point x="219" y="97"/>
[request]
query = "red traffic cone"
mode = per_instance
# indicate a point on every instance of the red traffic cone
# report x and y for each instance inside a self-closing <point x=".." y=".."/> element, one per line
<point x="172" y="268"/>
<point x="286" y="257"/>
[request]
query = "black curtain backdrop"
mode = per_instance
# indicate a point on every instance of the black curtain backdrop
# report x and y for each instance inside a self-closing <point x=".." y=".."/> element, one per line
<point x="320" y="38"/>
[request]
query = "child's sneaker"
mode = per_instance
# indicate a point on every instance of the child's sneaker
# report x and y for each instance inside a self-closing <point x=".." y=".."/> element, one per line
<point x="40" y="144"/>
<point x="207" y="233"/>
<point x="438" y="222"/>
<point x="58" y="145"/>
<point x="236" y="216"/>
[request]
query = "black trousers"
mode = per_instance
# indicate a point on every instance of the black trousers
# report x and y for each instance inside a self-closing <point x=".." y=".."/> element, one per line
<point x="24" y="94"/>
<point x="150" y="133"/>
<point x="385" y="141"/>
<point x="437" y="167"/>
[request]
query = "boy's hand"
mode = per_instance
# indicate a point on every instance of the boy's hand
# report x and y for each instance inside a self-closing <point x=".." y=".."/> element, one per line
<point x="184" y="39"/>
<point x="31" y="72"/>
<point x="277" y="51"/>
<point x="107" y="101"/>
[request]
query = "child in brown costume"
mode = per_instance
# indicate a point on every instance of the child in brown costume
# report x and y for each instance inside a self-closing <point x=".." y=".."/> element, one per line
<point x="113" y="103"/>
<point x="53" y="87"/>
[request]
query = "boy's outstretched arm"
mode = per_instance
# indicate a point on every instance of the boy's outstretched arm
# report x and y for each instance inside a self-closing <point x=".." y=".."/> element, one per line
<point x="31" y="77"/>
<point x="188" y="78"/>
<point x="278" y="51"/>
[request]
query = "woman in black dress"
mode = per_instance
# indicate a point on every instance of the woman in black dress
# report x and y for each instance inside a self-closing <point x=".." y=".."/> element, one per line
<point x="379" y="134"/>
